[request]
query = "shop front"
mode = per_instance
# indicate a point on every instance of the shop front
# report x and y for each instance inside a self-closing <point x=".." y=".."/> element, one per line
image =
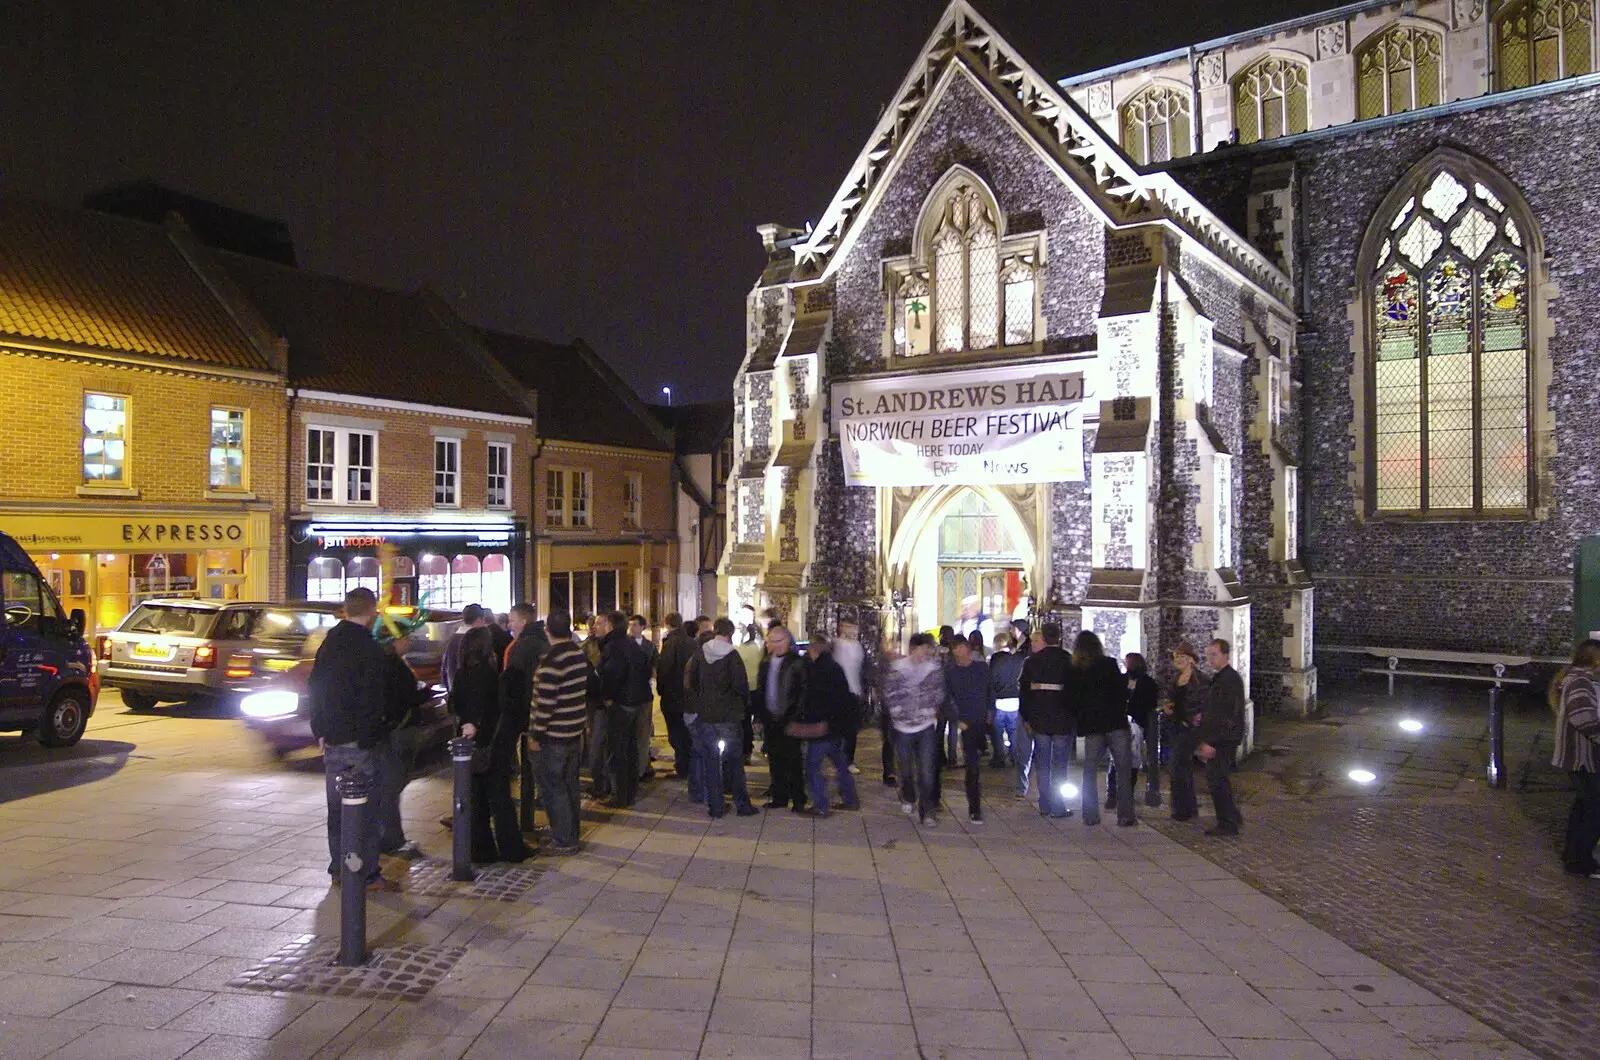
<point x="593" y="578"/>
<point x="109" y="562"/>
<point x="445" y="566"/>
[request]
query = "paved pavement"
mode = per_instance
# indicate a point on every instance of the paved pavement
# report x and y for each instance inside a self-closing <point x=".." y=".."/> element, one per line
<point x="142" y="871"/>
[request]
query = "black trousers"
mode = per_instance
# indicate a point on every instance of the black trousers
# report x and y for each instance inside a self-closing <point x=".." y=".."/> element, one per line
<point x="622" y="753"/>
<point x="1583" y="824"/>
<point x="972" y="752"/>
<point x="1217" y="770"/>
<point x="886" y="730"/>
<point x="851" y="727"/>
<point x="492" y="805"/>
<point x="682" y="743"/>
<point x="788" y="771"/>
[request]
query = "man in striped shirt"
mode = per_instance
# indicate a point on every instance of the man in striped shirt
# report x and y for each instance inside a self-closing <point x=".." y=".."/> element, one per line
<point x="560" y="687"/>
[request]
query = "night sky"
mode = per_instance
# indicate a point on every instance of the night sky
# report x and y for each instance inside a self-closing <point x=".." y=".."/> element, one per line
<point x="567" y="169"/>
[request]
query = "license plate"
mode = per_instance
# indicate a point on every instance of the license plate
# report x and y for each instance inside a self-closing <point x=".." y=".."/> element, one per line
<point x="152" y="651"/>
<point x="279" y="665"/>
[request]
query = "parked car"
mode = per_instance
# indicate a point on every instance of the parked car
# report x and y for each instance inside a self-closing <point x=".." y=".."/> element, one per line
<point x="48" y="683"/>
<point x="180" y="650"/>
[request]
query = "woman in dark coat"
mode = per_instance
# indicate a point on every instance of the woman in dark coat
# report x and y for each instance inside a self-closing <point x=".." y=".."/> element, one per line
<point x="1103" y="724"/>
<point x="1143" y="697"/>
<point x="1186" y="698"/>
<point x="475" y="700"/>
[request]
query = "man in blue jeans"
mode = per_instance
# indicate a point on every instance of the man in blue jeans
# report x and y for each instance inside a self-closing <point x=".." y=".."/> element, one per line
<point x="560" y="688"/>
<point x="828" y="702"/>
<point x="914" y="695"/>
<point x="717" y="692"/>
<point x="1047" y="686"/>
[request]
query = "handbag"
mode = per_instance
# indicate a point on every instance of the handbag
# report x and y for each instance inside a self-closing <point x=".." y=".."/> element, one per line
<point x="482" y="758"/>
<point x="806" y="730"/>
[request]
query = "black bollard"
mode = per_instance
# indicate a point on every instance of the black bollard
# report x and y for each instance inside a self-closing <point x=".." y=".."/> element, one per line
<point x="353" y="871"/>
<point x="526" y="785"/>
<point x="461" y="838"/>
<point x="1497" y="740"/>
<point x="1152" y="751"/>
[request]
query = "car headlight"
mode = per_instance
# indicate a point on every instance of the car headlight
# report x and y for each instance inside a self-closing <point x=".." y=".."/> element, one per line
<point x="274" y="703"/>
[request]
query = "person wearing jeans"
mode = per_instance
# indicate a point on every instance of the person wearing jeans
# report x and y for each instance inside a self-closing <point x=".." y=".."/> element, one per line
<point x="1103" y="721"/>
<point x="915" y="697"/>
<point x="967" y="684"/>
<point x="717" y="690"/>
<point x="1049" y="686"/>
<point x="560" y="691"/>
<point x="828" y="703"/>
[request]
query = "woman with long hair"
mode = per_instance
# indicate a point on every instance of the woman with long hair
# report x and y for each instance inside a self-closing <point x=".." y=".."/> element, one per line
<point x="1143" y="692"/>
<point x="475" y="700"/>
<point x="1186" y="698"/>
<point x="1103" y="724"/>
<point x="1577" y="750"/>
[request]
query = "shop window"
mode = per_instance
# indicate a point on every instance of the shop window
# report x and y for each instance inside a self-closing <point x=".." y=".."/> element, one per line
<point x="1399" y="69"/>
<point x="325" y="580"/>
<point x="497" y="493"/>
<point x="433" y="582"/>
<point x="1543" y="40"/>
<point x="1156" y="124"/>
<point x="404" y="567"/>
<point x="582" y="595"/>
<point x="466" y="582"/>
<point x="497" y="583"/>
<point x="447" y="472"/>
<point x="1448" y="361"/>
<point x="632" y="501"/>
<point x="561" y="593"/>
<point x="227" y="449"/>
<point x="1269" y="99"/>
<point x="605" y="590"/>
<point x="105" y="439"/>
<point x="362" y="573"/>
<point x="341" y="466"/>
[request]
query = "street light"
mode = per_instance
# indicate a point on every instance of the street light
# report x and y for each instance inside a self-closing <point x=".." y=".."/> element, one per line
<point x="667" y="390"/>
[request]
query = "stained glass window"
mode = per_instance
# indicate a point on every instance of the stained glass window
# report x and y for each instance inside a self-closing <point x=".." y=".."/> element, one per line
<point x="1398" y="70"/>
<point x="968" y="297"/>
<point x="1543" y="40"/>
<point x="1156" y="125"/>
<point x="1269" y="99"/>
<point x="914" y="324"/>
<point x="1450" y="355"/>
<point x="983" y="287"/>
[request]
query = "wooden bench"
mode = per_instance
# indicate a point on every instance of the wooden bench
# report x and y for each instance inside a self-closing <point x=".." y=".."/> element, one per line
<point x="1496" y="661"/>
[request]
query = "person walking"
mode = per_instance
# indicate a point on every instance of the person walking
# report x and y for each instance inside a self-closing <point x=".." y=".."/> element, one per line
<point x="560" y="684"/>
<point x="781" y="691"/>
<point x="402" y="695"/>
<point x="1577" y="750"/>
<point x="346" y="690"/>
<point x="676" y="651"/>
<point x="1103" y="722"/>
<point x="625" y="690"/>
<point x="1143" y="694"/>
<point x="1049" y="708"/>
<point x="820" y="723"/>
<point x="1005" y="670"/>
<point x="718" y="694"/>
<point x="475" y="699"/>
<point x="1221" y="728"/>
<point x="887" y="655"/>
<point x="1184" y="704"/>
<point x="852" y="659"/>
<point x="915" y="698"/>
<point x="967" y="683"/>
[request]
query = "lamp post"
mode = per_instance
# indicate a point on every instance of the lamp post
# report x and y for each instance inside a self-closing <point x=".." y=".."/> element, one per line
<point x="667" y="391"/>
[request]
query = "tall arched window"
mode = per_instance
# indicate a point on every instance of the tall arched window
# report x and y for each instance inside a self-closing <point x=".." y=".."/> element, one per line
<point x="1155" y="125"/>
<point x="433" y="582"/>
<point x="1449" y="358"/>
<point x="973" y="289"/>
<point x="1269" y="99"/>
<point x="1543" y="40"/>
<point x="1398" y="70"/>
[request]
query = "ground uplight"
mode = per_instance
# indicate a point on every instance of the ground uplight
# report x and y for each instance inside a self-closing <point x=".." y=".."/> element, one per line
<point x="1410" y="724"/>
<point x="1069" y="791"/>
<point x="1362" y="776"/>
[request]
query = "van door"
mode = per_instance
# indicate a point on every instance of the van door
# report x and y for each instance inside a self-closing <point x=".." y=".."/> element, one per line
<point x="22" y="675"/>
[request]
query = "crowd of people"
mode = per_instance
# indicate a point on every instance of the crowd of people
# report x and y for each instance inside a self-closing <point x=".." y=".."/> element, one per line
<point x="533" y="688"/>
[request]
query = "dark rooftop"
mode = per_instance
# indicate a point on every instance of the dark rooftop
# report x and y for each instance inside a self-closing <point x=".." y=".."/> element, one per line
<point x="699" y="428"/>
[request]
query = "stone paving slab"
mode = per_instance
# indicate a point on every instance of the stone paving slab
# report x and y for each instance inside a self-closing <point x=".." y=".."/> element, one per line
<point x="861" y="935"/>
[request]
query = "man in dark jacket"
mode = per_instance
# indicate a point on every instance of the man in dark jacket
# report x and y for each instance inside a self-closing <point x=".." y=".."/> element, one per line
<point x="1221" y="728"/>
<point x="1047" y="706"/>
<point x="347" y="718"/>
<point x="966" y="677"/>
<point x="828" y="702"/>
<point x="395" y="752"/>
<point x="717" y="692"/>
<point x="780" y="690"/>
<point x="676" y="651"/>
<point x="625" y="690"/>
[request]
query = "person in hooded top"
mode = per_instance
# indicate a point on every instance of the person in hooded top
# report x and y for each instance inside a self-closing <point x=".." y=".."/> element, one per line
<point x="915" y="697"/>
<point x="717" y="693"/>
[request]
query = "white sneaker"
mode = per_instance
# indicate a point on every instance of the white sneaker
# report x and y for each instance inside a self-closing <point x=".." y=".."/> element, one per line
<point x="908" y="808"/>
<point x="855" y="768"/>
<point x="974" y="818"/>
<point x="929" y="821"/>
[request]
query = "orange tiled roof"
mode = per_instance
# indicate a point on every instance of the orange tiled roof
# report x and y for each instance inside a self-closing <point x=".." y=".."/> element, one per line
<point x="90" y="279"/>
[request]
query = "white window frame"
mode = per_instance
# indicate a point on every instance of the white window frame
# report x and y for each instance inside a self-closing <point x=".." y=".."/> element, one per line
<point x="497" y="475"/>
<point x="555" y="496"/>
<point x="244" y="449"/>
<point x="632" y="500"/>
<point x="124" y="466"/>
<point x="446" y="472"/>
<point x="341" y="465"/>
<point x="580" y="516"/>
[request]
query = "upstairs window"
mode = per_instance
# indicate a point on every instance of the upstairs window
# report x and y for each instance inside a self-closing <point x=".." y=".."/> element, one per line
<point x="341" y="466"/>
<point x="105" y="439"/>
<point x="1543" y="40"/>
<point x="227" y="449"/>
<point x="1156" y="125"/>
<point x="632" y="501"/>
<point x="447" y="472"/>
<point x="497" y="492"/>
<point x="1398" y="70"/>
<point x="1269" y="99"/>
<point x="566" y="498"/>
<point x="1449" y="357"/>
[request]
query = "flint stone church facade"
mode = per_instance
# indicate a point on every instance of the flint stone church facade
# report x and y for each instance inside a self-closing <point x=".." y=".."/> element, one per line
<point x="1283" y="338"/>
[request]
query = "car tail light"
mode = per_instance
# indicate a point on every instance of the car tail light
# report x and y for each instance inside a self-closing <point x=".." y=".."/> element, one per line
<point x="240" y="666"/>
<point x="205" y="658"/>
<point x="103" y="646"/>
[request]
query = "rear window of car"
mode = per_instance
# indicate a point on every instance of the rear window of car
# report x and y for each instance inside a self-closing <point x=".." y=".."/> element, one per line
<point x="172" y="619"/>
<point x="287" y="623"/>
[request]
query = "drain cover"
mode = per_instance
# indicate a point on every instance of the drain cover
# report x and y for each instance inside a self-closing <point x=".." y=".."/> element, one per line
<point x="404" y="972"/>
<point x="430" y="878"/>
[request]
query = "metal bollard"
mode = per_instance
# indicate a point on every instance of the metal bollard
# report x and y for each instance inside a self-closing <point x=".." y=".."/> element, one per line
<point x="354" y="789"/>
<point x="1497" y="740"/>
<point x="1152" y="779"/>
<point x="461" y="839"/>
<point x="526" y="786"/>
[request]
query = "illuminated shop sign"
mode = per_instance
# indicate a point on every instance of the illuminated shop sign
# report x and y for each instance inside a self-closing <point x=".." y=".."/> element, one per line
<point x="1014" y="424"/>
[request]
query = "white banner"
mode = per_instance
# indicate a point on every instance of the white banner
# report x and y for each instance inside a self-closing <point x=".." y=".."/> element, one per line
<point x="1020" y="423"/>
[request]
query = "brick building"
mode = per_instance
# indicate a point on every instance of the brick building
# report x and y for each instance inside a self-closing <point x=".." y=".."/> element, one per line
<point x="603" y="492"/>
<point x="1041" y="354"/>
<point x="408" y="444"/>
<point x="143" y="453"/>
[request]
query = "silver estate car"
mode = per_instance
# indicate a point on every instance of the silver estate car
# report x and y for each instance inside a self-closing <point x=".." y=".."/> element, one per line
<point x="179" y="650"/>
